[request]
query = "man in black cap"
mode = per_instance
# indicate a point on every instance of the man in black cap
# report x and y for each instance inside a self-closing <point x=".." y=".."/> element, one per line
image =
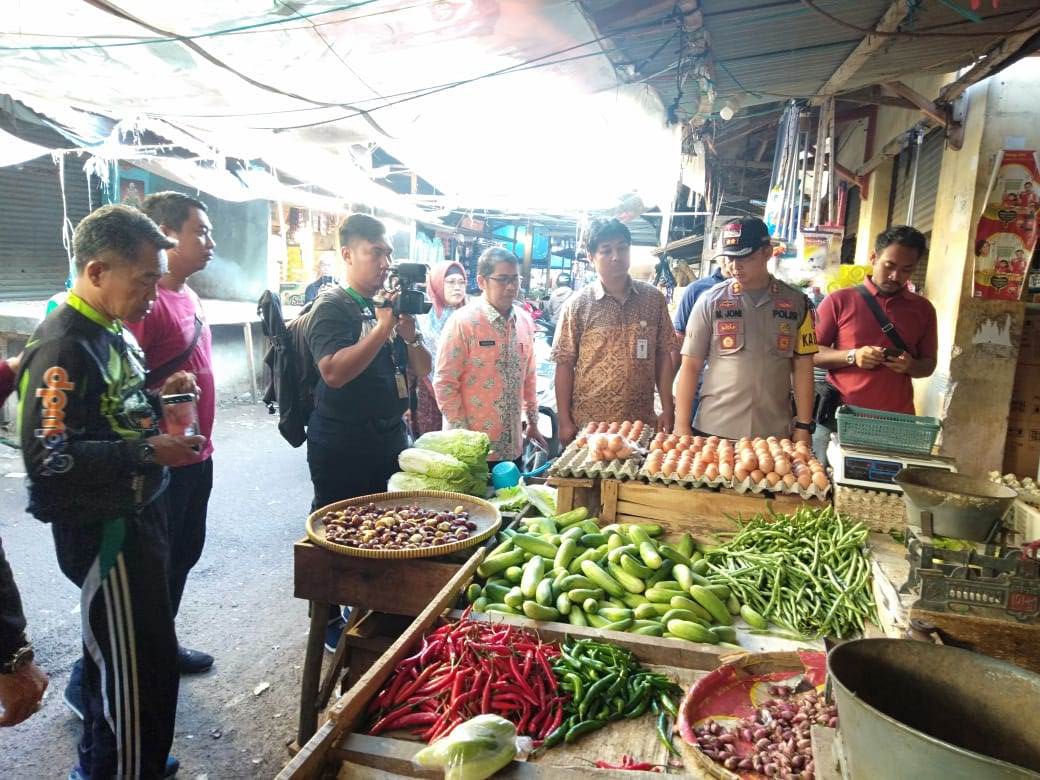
<point x="757" y="337"/>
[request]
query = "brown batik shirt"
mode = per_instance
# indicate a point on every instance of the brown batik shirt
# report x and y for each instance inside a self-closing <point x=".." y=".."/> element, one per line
<point x="614" y="347"/>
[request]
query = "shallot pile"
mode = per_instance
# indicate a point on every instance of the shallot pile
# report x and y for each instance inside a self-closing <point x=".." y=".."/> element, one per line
<point x="775" y="741"/>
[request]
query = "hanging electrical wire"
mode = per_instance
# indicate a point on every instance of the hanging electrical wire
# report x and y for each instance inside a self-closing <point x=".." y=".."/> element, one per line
<point x="811" y="4"/>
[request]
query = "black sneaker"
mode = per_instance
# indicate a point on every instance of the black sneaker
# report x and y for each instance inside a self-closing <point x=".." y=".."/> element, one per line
<point x="193" y="661"/>
<point x="73" y="696"/>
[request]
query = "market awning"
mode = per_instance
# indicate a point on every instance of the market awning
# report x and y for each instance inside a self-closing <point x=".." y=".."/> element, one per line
<point x="501" y="104"/>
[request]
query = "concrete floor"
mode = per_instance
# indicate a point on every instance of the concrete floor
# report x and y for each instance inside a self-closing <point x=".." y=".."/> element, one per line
<point x="238" y="605"/>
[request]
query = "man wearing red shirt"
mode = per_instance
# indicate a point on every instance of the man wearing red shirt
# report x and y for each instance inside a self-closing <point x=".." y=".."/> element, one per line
<point x="165" y="335"/>
<point x="862" y="362"/>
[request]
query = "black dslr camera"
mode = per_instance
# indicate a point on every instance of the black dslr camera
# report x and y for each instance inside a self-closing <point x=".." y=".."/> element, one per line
<point x="409" y="280"/>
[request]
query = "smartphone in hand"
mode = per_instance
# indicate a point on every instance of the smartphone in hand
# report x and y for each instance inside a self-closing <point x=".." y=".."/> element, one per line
<point x="891" y="353"/>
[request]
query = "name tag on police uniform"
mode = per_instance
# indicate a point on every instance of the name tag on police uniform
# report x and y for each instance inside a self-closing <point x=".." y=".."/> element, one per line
<point x="402" y="385"/>
<point x="642" y="349"/>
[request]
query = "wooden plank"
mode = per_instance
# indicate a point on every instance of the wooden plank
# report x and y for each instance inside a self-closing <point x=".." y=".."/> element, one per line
<point x="608" y="497"/>
<point x="347" y="711"/>
<point x="993" y="62"/>
<point x="919" y="101"/>
<point x="564" y="498"/>
<point x="1004" y="639"/>
<point x="321" y="575"/>
<point x="864" y="50"/>
<point x="824" y="757"/>
<point x="889" y="570"/>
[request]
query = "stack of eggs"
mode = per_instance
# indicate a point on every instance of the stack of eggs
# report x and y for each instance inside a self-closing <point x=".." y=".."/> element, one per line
<point x="631" y="431"/>
<point x="773" y="464"/>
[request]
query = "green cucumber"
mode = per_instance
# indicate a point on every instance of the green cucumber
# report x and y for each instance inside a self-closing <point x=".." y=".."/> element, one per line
<point x="543" y="593"/>
<point x="613" y="614"/>
<point x="685" y="545"/>
<point x="634" y="567"/>
<point x="650" y="630"/>
<point x="593" y="540"/>
<point x="615" y="554"/>
<point x="700" y="567"/>
<point x="725" y="633"/>
<point x="699" y="579"/>
<point x="691" y="632"/>
<point x="565" y="554"/>
<point x="628" y="581"/>
<point x="683" y="575"/>
<point x="659" y="595"/>
<point x="578" y="595"/>
<point x="650" y="556"/>
<point x="480" y="605"/>
<point x="514" y="598"/>
<point x="574" y="532"/>
<point x="535" y="545"/>
<point x="563" y="604"/>
<point x="753" y="618"/>
<point x="618" y="625"/>
<point x="491" y="566"/>
<point x="681" y="602"/>
<point x="646" y="611"/>
<point x="514" y="574"/>
<point x="473" y="592"/>
<point x="683" y="614"/>
<point x="670" y="585"/>
<point x="503" y="608"/>
<point x="661" y="574"/>
<point x="534" y="570"/>
<point x="590" y="607"/>
<point x="496" y="592"/>
<point x="669" y="552"/>
<point x="537" y="611"/>
<point x="591" y="526"/>
<point x="572" y="581"/>
<point x="577" y="618"/>
<point x="720" y="591"/>
<point x="633" y="600"/>
<point x="712" y="604"/>
<point x="638" y="535"/>
<point x="733" y="605"/>
<point x="603" y="580"/>
<point x="596" y="621"/>
<point x="574" y="516"/>
<point x="614" y="541"/>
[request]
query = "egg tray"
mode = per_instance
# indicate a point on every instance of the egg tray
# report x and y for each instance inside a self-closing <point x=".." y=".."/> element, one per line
<point x="574" y="461"/>
<point x="745" y="486"/>
<point x="878" y="510"/>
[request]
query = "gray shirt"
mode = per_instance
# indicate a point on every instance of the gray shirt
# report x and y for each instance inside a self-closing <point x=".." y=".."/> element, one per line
<point x="749" y="349"/>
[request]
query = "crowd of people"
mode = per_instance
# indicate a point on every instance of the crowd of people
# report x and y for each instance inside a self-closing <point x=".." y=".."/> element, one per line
<point x="126" y="501"/>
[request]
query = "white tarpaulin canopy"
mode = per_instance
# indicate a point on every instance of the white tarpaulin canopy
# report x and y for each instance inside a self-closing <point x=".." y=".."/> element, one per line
<point x="495" y="102"/>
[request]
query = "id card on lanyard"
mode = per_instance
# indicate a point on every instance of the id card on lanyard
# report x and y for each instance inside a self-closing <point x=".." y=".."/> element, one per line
<point x="399" y="371"/>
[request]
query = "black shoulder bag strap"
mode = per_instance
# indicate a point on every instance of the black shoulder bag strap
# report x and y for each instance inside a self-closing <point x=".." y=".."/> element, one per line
<point x="159" y="375"/>
<point x="886" y="324"/>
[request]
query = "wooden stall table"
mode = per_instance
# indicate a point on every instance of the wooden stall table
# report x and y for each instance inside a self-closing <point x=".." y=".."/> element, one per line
<point x="368" y="585"/>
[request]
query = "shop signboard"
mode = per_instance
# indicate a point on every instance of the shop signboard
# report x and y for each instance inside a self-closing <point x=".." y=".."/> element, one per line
<point x="1006" y="233"/>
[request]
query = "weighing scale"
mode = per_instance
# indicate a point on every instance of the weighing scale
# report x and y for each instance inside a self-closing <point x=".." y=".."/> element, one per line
<point x="874" y="469"/>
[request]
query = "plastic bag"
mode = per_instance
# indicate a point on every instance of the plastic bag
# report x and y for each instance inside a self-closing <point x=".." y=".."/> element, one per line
<point x="610" y="446"/>
<point x="474" y="750"/>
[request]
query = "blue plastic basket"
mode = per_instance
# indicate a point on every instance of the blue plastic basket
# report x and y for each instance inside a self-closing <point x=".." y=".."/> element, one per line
<point x="860" y="427"/>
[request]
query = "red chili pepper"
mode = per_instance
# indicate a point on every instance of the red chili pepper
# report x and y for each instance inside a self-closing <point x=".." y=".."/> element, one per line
<point x="413" y="686"/>
<point x="402" y="719"/>
<point x="555" y="722"/>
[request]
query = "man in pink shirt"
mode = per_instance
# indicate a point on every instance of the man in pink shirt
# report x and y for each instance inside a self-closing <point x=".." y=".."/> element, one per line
<point x="485" y="376"/>
<point x="175" y="336"/>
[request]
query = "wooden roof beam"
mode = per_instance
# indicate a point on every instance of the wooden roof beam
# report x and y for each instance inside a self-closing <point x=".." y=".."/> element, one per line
<point x="924" y="105"/>
<point x="864" y="50"/>
<point x="993" y="63"/>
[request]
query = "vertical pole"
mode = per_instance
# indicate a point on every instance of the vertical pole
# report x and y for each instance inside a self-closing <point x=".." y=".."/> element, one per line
<point x="528" y="256"/>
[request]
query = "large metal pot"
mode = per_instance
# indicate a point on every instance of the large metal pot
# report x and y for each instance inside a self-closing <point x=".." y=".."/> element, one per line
<point x="919" y="711"/>
<point x="952" y="504"/>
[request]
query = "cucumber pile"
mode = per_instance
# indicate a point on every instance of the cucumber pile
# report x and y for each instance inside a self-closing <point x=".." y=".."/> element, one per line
<point x="618" y="577"/>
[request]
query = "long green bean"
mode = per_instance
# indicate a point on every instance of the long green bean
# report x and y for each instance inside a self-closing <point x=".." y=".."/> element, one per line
<point x="807" y="572"/>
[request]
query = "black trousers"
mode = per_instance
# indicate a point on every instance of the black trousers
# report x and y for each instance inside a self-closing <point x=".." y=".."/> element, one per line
<point x="352" y="459"/>
<point x="187" y="498"/>
<point x="130" y="674"/>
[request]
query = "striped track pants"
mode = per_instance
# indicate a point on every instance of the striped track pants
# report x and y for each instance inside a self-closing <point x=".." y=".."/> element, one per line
<point x="129" y="645"/>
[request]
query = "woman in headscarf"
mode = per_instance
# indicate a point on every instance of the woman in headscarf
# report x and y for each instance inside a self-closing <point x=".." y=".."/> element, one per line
<point x="446" y="286"/>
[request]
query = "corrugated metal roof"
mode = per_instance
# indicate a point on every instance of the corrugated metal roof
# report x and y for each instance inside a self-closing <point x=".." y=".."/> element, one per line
<point x="764" y="50"/>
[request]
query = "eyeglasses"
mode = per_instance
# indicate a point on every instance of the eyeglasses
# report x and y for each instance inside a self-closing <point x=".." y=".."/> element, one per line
<point x="505" y="281"/>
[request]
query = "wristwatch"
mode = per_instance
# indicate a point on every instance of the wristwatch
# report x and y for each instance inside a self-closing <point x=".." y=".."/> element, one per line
<point x="417" y="341"/>
<point x="145" y="452"/>
<point x="850" y="357"/>
<point x="805" y="426"/>
<point x="22" y="657"/>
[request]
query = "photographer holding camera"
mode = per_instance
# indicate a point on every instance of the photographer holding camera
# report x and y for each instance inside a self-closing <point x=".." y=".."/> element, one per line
<point x="364" y="351"/>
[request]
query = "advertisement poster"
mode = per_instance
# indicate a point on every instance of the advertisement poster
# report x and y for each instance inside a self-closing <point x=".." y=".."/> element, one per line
<point x="1006" y="233"/>
<point x="131" y="192"/>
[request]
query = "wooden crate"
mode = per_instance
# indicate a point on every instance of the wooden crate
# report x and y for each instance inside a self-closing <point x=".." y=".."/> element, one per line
<point x="339" y="740"/>
<point x="677" y="508"/>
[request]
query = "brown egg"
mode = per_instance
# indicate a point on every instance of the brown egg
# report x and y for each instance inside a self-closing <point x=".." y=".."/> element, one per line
<point x="668" y="445"/>
<point x="805" y="480"/>
<point x="772" y="440"/>
<point x="727" y="457"/>
<point x="697" y="471"/>
<point x="709" y="456"/>
<point x="740" y="473"/>
<point x="713" y="440"/>
<point x="726" y="470"/>
<point x="766" y="464"/>
<point x="683" y="470"/>
<point x="757" y="476"/>
<point x="773" y="478"/>
<point x="815" y="467"/>
<point x="783" y="466"/>
<point x="790" y="481"/>
<point x="698" y="441"/>
<point x="590" y="428"/>
<point x="615" y="441"/>
<point x="711" y="471"/>
<point x="749" y="464"/>
<point x="820" y="480"/>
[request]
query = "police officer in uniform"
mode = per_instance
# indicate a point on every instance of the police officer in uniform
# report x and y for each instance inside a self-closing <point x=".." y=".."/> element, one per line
<point x="757" y="337"/>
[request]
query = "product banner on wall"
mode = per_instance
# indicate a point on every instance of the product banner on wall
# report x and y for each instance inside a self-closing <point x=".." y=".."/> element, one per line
<point x="1006" y="233"/>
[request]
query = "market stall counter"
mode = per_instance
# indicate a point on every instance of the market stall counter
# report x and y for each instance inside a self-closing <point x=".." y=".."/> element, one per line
<point x="374" y="587"/>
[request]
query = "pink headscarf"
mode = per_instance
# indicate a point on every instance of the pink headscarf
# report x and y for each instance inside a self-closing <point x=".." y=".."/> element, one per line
<point x="435" y="284"/>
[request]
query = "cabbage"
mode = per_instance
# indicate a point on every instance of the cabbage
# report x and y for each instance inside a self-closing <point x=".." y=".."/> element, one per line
<point x="433" y="464"/>
<point x="543" y="498"/>
<point x="471" y="447"/>
<point x="402" y="480"/>
<point x="474" y="750"/>
<point x="510" y="499"/>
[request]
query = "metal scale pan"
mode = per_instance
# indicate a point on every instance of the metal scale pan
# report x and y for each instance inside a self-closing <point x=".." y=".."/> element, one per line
<point x="943" y="503"/>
